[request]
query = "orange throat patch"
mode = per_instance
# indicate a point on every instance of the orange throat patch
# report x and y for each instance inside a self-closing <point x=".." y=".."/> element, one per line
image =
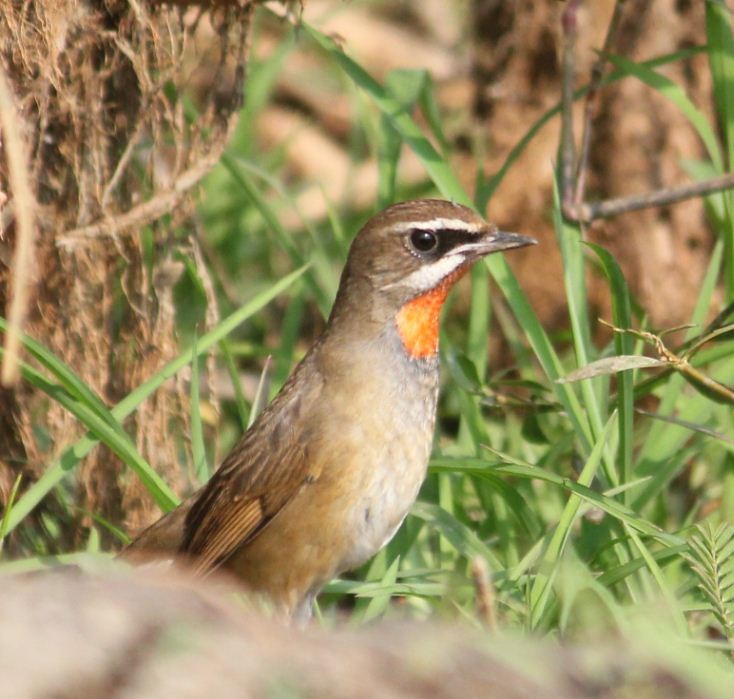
<point x="417" y="320"/>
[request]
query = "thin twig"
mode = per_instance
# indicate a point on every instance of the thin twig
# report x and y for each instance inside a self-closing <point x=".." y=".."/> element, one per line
<point x="720" y="392"/>
<point x="122" y="164"/>
<point x="569" y="22"/>
<point x="484" y="592"/>
<point x="585" y="213"/>
<point x="592" y="102"/>
<point x="211" y="318"/>
<point x="721" y="318"/>
<point x="158" y="205"/>
<point x="574" y="208"/>
<point x="24" y="201"/>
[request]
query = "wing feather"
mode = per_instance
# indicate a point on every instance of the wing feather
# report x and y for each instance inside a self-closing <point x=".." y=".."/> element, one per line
<point x="261" y="475"/>
<point x="216" y="543"/>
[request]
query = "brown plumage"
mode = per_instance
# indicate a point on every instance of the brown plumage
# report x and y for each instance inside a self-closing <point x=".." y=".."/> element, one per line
<point x="328" y="471"/>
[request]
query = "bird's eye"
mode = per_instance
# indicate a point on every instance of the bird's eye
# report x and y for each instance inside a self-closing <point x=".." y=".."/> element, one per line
<point x="423" y="240"/>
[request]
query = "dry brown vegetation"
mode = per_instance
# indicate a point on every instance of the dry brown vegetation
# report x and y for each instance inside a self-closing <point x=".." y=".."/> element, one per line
<point x="114" y="161"/>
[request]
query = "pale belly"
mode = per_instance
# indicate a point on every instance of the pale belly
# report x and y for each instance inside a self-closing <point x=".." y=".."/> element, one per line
<point x="370" y="451"/>
<point x="385" y="494"/>
<point x="348" y="513"/>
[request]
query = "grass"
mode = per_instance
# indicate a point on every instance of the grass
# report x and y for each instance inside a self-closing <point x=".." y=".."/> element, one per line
<point x="590" y="515"/>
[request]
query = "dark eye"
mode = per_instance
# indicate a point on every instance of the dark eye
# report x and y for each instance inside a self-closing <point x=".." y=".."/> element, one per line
<point x="423" y="241"/>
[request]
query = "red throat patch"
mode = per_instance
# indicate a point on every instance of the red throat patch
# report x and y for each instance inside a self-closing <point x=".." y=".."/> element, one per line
<point x="417" y="320"/>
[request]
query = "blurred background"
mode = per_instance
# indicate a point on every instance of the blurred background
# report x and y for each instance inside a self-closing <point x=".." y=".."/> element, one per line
<point x="185" y="161"/>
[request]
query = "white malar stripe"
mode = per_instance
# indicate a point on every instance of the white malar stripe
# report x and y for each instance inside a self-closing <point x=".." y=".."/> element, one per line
<point x="431" y="275"/>
<point x="440" y="224"/>
<point x="467" y="247"/>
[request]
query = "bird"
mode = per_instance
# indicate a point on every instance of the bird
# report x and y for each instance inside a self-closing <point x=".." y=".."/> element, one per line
<point x="324" y="477"/>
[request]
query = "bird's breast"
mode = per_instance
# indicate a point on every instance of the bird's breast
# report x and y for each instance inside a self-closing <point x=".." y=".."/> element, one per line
<point x="380" y="447"/>
<point x="367" y="433"/>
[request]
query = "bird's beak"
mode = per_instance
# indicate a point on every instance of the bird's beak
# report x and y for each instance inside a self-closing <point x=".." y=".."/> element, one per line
<point x="502" y="240"/>
<point x="492" y="240"/>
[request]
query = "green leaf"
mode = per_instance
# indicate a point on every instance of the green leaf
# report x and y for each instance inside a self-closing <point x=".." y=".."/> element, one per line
<point x="622" y="318"/>
<point x="463" y="539"/>
<point x="101" y="429"/>
<point x="612" y="365"/>
<point x="545" y="576"/>
<point x="666" y="87"/>
<point x="721" y="61"/>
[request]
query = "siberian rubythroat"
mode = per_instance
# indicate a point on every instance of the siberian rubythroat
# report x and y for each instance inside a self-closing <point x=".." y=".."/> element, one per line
<point x="326" y="474"/>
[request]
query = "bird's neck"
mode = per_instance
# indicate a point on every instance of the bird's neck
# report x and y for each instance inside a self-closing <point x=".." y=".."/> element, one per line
<point x="358" y="345"/>
<point x="418" y="320"/>
<point x="373" y="373"/>
<point x="415" y="322"/>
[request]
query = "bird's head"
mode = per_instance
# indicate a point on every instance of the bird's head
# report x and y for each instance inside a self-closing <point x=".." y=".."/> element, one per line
<point x="404" y="261"/>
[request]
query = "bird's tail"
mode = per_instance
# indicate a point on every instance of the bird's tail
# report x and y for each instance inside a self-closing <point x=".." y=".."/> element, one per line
<point x="162" y="537"/>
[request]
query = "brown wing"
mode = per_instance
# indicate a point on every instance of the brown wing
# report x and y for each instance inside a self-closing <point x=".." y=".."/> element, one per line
<point x="266" y="469"/>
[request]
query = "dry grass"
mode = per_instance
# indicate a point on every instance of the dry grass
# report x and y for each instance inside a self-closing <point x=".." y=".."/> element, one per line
<point x="112" y="158"/>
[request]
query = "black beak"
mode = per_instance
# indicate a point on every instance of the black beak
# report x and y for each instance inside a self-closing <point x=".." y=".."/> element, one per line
<point x="501" y="240"/>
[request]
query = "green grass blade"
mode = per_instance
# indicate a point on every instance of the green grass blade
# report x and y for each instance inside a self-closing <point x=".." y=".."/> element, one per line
<point x="541" y="346"/>
<point x="544" y="578"/>
<point x="243" y="412"/>
<point x="657" y="574"/>
<point x="379" y="603"/>
<point x="461" y="537"/>
<point x="511" y="466"/>
<point x="666" y="87"/>
<point x="198" y="451"/>
<point x="574" y="280"/>
<point x="436" y="167"/>
<point x="669" y="554"/>
<point x="244" y="180"/>
<point x="479" y="321"/>
<point x="721" y="63"/>
<point x="66" y="377"/>
<point x="8" y="509"/>
<point x="119" y="443"/>
<point x="290" y="326"/>
<point x="622" y="318"/>
<point x="261" y="393"/>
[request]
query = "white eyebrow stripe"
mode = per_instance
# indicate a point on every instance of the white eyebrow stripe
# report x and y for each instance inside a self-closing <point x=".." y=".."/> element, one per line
<point x="431" y="275"/>
<point x="440" y="224"/>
